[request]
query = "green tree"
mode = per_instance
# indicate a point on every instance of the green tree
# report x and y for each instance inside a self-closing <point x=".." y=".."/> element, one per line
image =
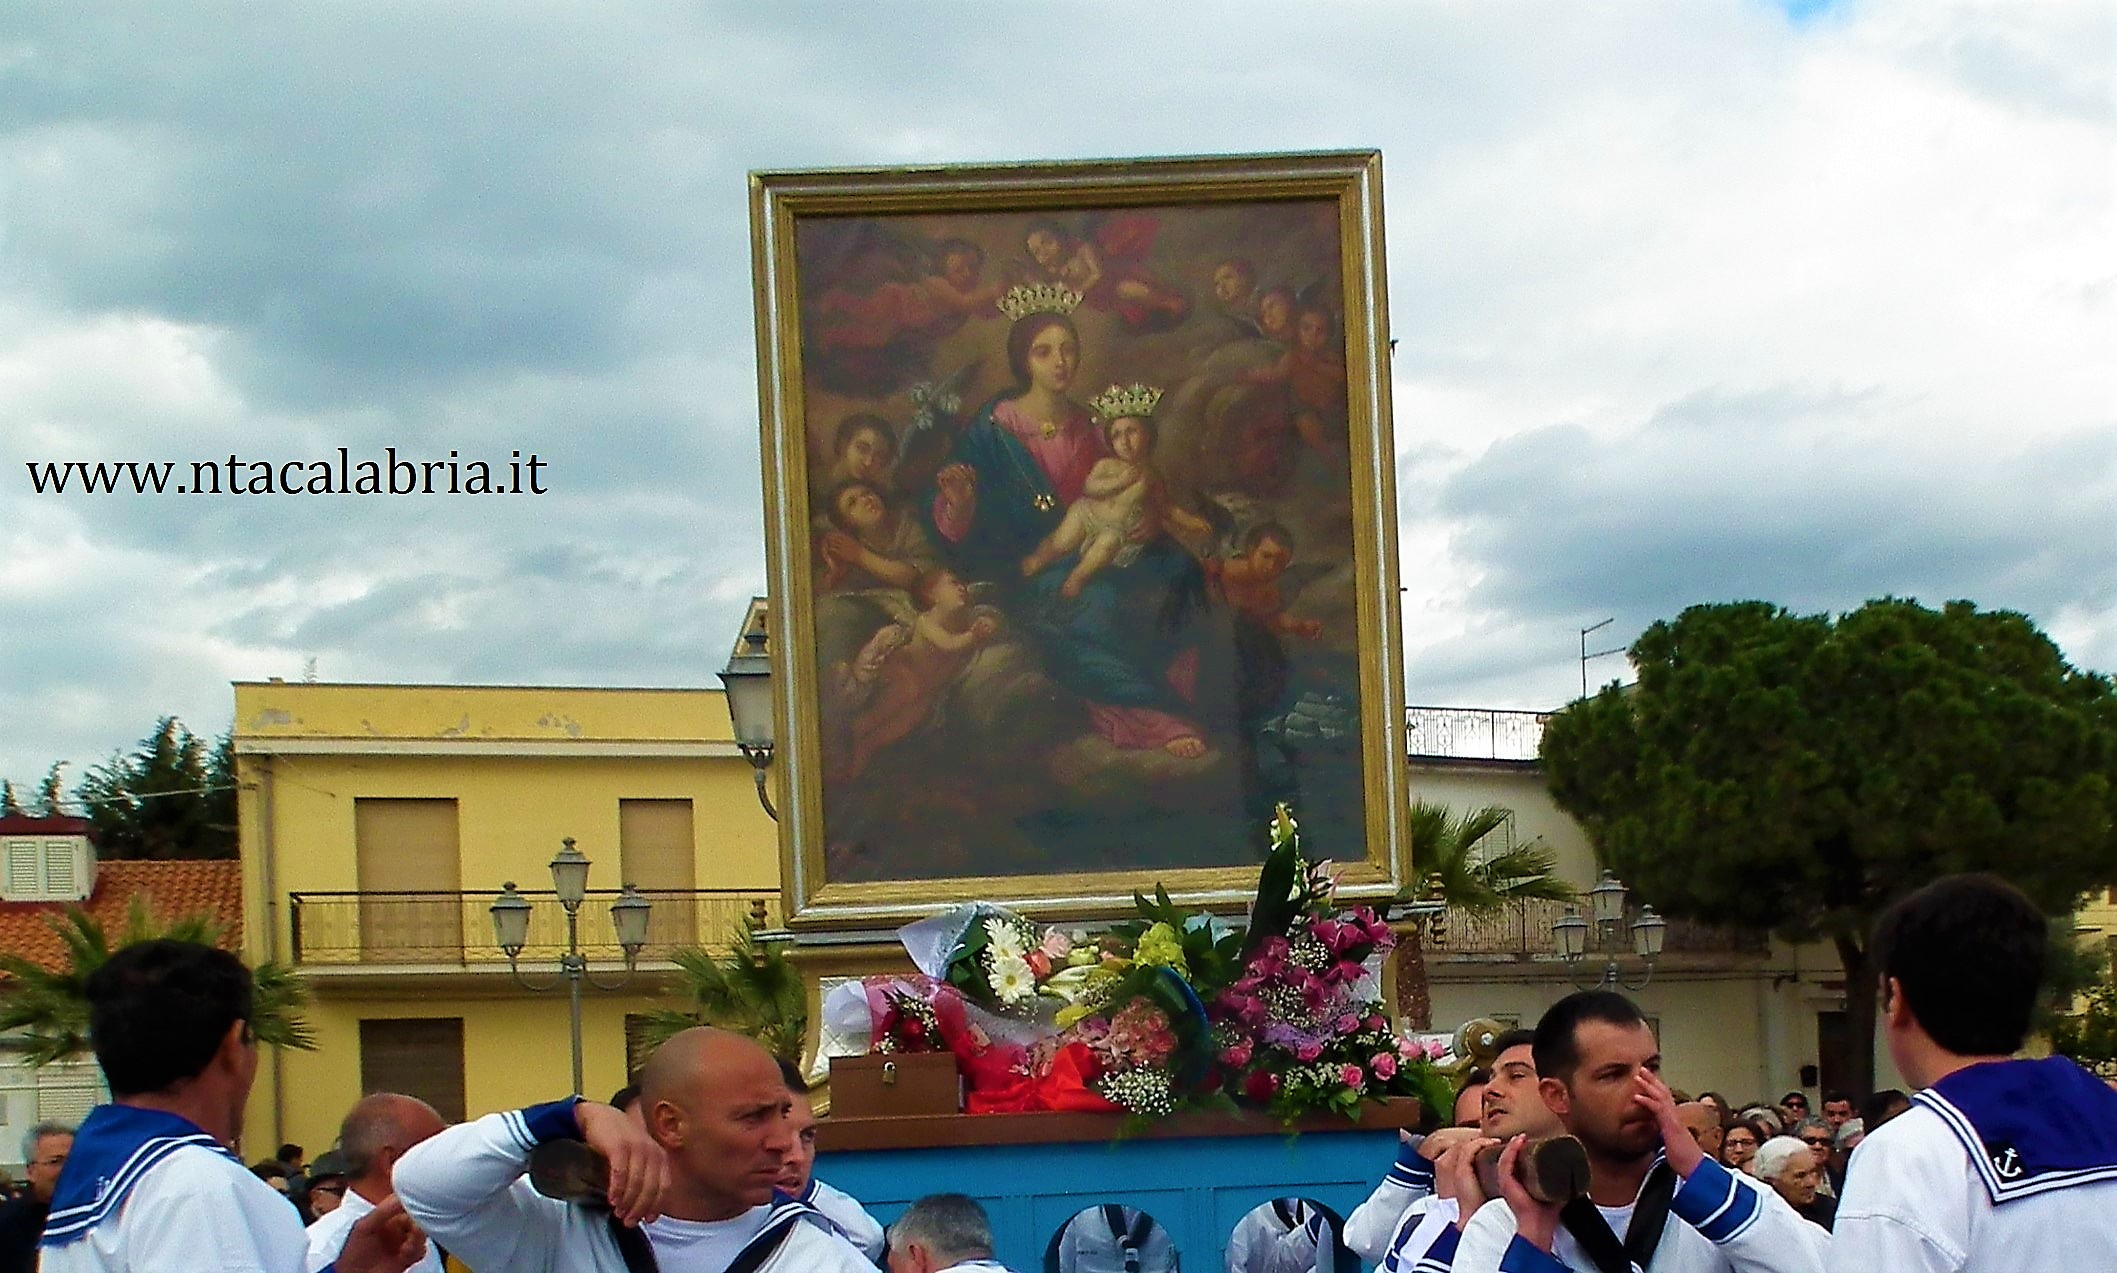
<point x="10" y="804"/>
<point x="1456" y="865"/>
<point x="2090" y="1036"/>
<point x="752" y="989"/>
<point x="50" y="1006"/>
<point x="163" y="799"/>
<point x="51" y="794"/>
<point x="1799" y="773"/>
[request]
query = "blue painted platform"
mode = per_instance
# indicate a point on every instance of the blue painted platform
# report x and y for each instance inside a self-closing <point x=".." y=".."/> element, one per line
<point x="1197" y="1177"/>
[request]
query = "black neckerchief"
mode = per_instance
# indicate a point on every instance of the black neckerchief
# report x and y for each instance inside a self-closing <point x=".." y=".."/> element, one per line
<point x="1650" y="1214"/>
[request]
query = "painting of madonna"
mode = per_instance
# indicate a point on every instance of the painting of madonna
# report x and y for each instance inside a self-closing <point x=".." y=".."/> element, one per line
<point x="1082" y="579"/>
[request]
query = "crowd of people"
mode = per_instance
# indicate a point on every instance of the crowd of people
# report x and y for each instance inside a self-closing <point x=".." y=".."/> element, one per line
<point x="707" y="1163"/>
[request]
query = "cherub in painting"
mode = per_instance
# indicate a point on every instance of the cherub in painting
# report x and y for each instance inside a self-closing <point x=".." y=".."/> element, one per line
<point x="1249" y="581"/>
<point x="1313" y="372"/>
<point x="1125" y="503"/>
<point x="1107" y="266"/>
<point x="902" y="671"/>
<point x="884" y="301"/>
<point x="871" y="544"/>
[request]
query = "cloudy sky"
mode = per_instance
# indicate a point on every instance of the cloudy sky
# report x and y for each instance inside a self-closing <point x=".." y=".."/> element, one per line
<point x="1696" y="300"/>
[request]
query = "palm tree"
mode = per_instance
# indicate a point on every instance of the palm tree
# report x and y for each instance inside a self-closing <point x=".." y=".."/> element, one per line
<point x="1476" y="882"/>
<point x="753" y="989"/>
<point x="51" y="1007"/>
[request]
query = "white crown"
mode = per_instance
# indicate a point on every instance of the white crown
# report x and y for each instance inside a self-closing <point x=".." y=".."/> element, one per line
<point x="1125" y="400"/>
<point x="1044" y="298"/>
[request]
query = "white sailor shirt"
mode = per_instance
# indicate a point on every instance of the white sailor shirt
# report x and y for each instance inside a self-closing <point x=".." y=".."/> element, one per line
<point x="198" y="1210"/>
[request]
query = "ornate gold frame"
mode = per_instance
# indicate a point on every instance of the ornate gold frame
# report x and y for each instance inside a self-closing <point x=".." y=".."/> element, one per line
<point x="778" y="200"/>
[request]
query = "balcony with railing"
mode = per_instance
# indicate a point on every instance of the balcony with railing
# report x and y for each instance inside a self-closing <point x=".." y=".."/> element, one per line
<point x="403" y="930"/>
<point x="1526" y="931"/>
<point x="1473" y="733"/>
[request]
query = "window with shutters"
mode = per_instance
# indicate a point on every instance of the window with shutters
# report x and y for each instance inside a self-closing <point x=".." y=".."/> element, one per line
<point x="418" y="1056"/>
<point x="46" y="868"/>
<point x="656" y="855"/>
<point x="408" y="867"/>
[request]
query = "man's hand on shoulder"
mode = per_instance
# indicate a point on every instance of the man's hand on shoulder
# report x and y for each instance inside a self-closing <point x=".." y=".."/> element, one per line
<point x="383" y="1241"/>
<point x="639" y="1167"/>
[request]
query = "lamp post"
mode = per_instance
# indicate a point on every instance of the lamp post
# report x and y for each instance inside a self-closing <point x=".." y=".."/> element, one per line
<point x="1606" y="902"/>
<point x="748" y="680"/>
<point x="569" y="879"/>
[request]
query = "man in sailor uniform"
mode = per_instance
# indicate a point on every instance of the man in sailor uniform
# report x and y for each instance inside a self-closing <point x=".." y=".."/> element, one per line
<point x="1999" y="1164"/>
<point x="1405" y="1225"/>
<point x="1655" y="1200"/>
<point x="797" y="1178"/>
<point x="692" y="1169"/>
<point x="943" y="1233"/>
<point x="152" y="1185"/>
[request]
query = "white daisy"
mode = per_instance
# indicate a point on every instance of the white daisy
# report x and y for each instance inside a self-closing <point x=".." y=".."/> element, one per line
<point x="1003" y="940"/>
<point x="1011" y="979"/>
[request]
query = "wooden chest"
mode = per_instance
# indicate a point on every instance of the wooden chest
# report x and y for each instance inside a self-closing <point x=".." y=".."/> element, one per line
<point x="886" y="1085"/>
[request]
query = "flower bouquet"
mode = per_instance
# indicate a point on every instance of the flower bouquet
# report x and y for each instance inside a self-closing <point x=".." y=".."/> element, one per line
<point x="1301" y="1028"/>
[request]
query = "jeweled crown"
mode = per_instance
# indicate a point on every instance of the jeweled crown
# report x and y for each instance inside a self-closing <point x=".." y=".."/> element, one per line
<point x="1119" y="401"/>
<point x="1044" y="298"/>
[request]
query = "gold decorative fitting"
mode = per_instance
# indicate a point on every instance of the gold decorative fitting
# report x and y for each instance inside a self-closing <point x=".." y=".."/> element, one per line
<point x="1044" y="298"/>
<point x="1125" y="400"/>
<point x="1044" y="503"/>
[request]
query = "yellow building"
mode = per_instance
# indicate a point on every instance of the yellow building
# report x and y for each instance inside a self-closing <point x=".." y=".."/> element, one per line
<point x="379" y="823"/>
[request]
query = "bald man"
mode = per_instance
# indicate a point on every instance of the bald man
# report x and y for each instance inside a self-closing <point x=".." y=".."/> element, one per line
<point x="1702" y="1121"/>
<point x="377" y="1131"/>
<point x="692" y="1173"/>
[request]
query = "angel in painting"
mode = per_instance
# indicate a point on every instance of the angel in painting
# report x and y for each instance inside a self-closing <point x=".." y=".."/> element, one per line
<point x="1107" y="266"/>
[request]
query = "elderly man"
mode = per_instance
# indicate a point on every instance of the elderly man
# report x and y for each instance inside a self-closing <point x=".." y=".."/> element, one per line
<point x="693" y="1174"/>
<point x="44" y="1152"/>
<point x="1790" y="1167"/>
<point x="1653" y="1195"/>
<point x="942" y="1233"/>
<point x="152" y="1185"/>
<point x="1702" y="1121"/>
<point x="377" y="1131"/>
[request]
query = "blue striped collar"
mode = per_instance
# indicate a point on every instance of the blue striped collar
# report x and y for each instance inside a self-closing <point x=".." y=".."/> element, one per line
<point x="112" y="1152"/>
<point x="2029" y="1126"/>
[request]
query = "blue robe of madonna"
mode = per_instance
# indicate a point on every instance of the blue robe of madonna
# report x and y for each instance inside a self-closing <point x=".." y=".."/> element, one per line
<point x="1114" y="643"/>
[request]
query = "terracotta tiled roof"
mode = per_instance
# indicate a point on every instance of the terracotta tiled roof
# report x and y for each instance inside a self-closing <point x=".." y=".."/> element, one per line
<point x="172" y="889"/>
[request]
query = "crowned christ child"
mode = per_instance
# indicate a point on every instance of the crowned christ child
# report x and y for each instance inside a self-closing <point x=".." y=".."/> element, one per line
<point x="1125" y="503"/>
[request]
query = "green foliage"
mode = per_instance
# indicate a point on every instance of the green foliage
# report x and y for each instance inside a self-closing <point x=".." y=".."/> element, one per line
<point x="51" y="1007"/>
<point x="171" y="797"/>
<point x="10" y="803"/>
<point x="2090" y="1037"/>
<point x="1799" y="773"/>
<point x="753" y="989"/>
<point x="51" y="795"/>
<point x="1783" y="771"/>
<point x="2074" y="969"/>
<point x="1282" y="885"/>
<point x="1444" y="846"/>
<point x="1211" y="950"/>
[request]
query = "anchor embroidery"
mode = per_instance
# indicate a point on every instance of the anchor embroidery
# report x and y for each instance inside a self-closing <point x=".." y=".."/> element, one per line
<point x="2007" y="1163"/>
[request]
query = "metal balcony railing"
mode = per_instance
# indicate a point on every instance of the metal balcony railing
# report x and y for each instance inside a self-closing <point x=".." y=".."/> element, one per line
<point x="1474" y="733"/>
<point x="350" y="929"/>
<point x="1525" y="929"/>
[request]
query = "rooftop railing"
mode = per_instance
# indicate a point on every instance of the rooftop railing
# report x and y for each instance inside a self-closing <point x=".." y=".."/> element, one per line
<point x="1474" y="733"/>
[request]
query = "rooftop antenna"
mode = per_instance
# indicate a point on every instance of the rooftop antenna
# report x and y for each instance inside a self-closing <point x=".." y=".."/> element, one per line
<point x="1585" y="655"/>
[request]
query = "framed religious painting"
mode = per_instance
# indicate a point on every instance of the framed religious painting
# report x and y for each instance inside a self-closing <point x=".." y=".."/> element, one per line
<point x="1081" y="530"/>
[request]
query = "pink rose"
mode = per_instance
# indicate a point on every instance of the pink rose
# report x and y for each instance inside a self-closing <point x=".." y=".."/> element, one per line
<point x="1435" y="1050"/>
<point x="1236" y="1056"/>
<point x="1056" y="944"/>
<point x="1307" y="1051"/>
<point x="1384" y="1065"/>
<point x="1376" y="1023"/>
<point x="1347" y="1024"/>
<point x="1260" y="1085"/>
<point x="1352" y="1077"/>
